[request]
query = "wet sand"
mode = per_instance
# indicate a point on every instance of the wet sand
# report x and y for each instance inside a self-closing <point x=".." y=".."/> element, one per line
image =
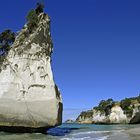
<point x="134" y="131"/>
<point x="130" y="134"/>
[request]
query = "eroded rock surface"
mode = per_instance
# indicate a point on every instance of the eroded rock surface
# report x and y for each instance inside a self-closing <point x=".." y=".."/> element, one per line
<point x="123" y="112"/>
<point x="29" y="97"/>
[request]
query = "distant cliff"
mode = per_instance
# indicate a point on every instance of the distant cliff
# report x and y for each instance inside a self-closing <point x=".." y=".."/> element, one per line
<point x="111" y="112"/>
<point x="29" y="98"/>
<point x="69" y="121"/>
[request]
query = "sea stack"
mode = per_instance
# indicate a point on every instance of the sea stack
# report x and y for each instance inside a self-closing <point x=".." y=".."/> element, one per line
<point x="30" y="101"/>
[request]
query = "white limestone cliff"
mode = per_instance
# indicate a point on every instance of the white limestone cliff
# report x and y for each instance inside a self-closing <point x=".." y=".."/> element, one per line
<point x="29" y="97"/>
<point x="98" y="117"/>
<point x="117" y="115"/>
<point x="114" y="115"/>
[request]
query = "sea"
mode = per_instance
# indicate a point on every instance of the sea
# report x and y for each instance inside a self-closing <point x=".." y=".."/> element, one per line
<point x="78" y="132"/>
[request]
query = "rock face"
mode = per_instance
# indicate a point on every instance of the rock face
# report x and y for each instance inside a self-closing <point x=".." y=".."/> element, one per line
<point x="85" y="117"/>
<point x="109" y="112"/>
<point x="117" y="115"/>
<point x="29" y="98"/>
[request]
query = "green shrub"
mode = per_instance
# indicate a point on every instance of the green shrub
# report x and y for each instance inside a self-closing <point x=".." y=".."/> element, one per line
<point x="105" y="106"/>
<point x="7" y="37"/>
<point x="32" y="16"/>
<point x="128" y="111"/>
<point x="126" y="106"/>
<point x="87" y="114"/>
<point x="125" y="103"/>
<point x="39" y="8"/>
<point x="32" y="20"/>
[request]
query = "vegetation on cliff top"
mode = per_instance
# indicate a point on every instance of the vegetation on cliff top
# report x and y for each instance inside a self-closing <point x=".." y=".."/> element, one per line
<point x="127" y="105"/>
<point x="105" y="106"/>
<point x="87" y="114"/>
<point x="32" y="17"/>
<point x="7" y="37"/>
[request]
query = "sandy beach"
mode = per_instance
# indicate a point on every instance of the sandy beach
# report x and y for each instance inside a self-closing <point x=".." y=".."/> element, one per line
<point x="134" y="131"/>
<point x="130" y="134"/>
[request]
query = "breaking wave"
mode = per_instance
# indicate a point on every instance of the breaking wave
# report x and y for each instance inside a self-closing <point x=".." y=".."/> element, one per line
<point x="86" y="138"/>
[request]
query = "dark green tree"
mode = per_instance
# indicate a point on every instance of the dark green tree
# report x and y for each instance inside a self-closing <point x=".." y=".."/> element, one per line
<point x="39" y="8"/>
<point x="104" y="103"/>
<point x="105" y="106"/>
<point x="125" y="103"/>
<point x="32" y="17"/>
<point x="126" y="106"/>
<point x="32" y="20"/>
<point x="7" y="37"/>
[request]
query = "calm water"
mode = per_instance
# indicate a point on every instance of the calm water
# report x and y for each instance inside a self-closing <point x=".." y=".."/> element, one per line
<point x="78" y="132"/>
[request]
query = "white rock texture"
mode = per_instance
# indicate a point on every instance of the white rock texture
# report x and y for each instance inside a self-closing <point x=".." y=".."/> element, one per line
<point x="98" y="117"/>
<point x="116" y="116"/>
<point x="29" y="96"/>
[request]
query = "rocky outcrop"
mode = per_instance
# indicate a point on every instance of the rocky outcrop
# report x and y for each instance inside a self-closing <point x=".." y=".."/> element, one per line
<point x="85" y="117"/>
<point x="69" y="121"/>
<point x="135" y="119"/>
<point x="29" y="98"/>
<point x="111" y="112"/>
<point x="117" y="115"/>
<point x="136" y="114"/>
